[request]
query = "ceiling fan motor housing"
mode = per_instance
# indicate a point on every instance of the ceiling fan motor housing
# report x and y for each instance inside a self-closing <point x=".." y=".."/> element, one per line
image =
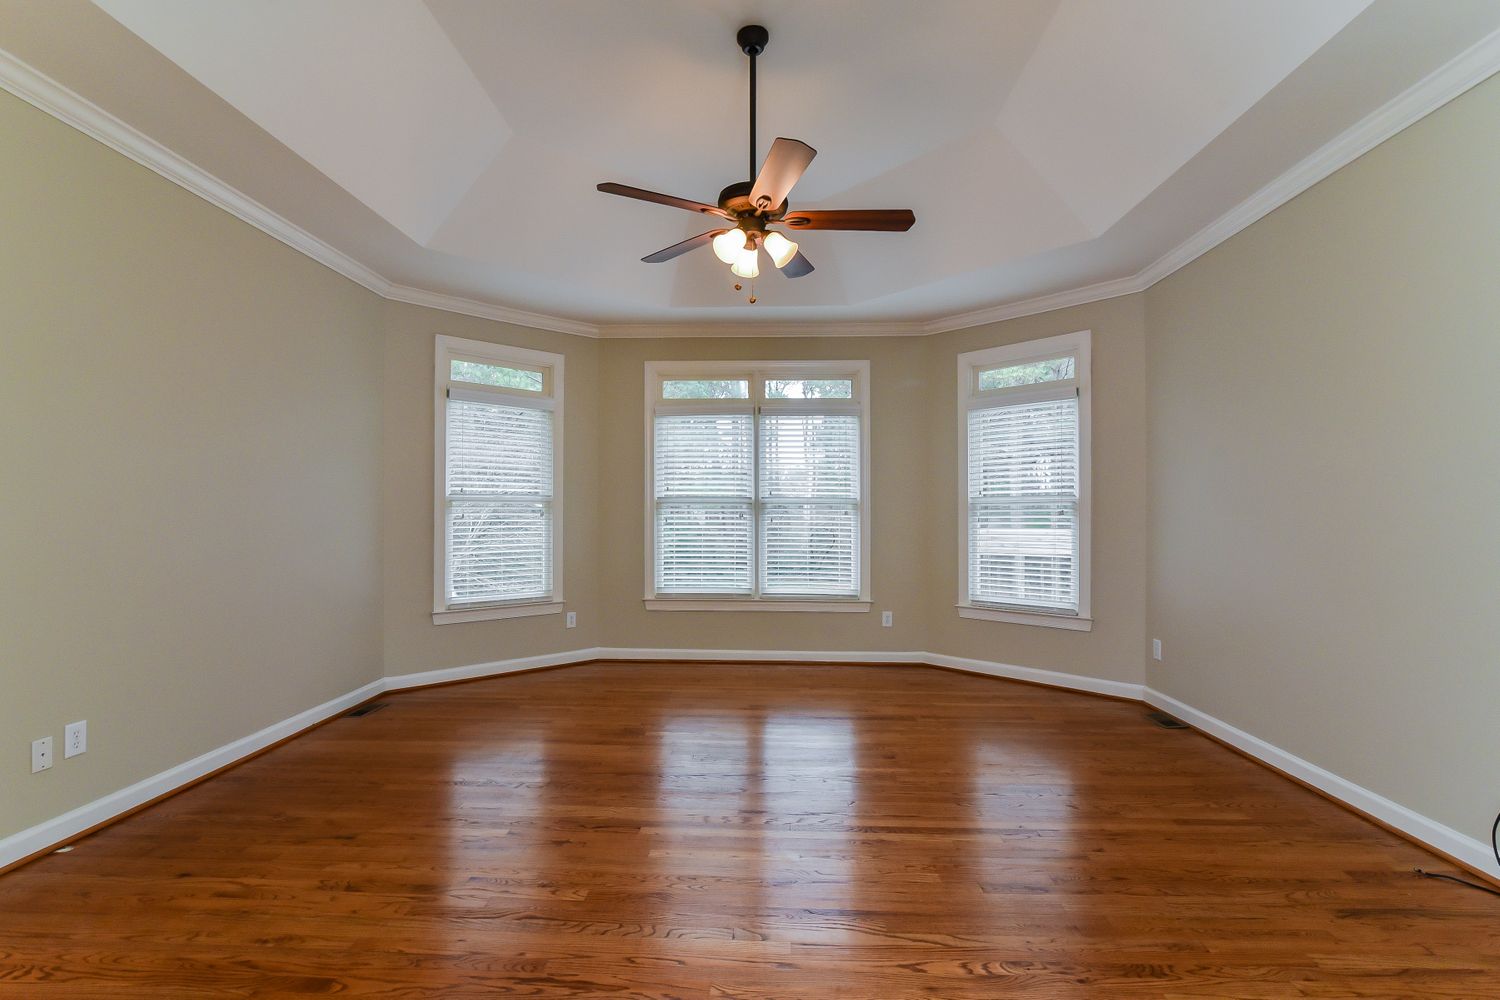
<point x="735" y="199"/>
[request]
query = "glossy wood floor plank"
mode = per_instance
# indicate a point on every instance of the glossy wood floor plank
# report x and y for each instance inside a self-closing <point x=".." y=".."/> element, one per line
<point x="755" y="832"/>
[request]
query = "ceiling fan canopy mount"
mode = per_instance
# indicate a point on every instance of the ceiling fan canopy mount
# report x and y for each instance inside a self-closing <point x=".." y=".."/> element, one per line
<point x="752" y="39"/>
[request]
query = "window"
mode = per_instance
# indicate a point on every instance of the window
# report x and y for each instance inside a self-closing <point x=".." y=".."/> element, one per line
<point x="498" y="497"/>
<point x="756" y="478"/>
<point x="1024" y="482"/>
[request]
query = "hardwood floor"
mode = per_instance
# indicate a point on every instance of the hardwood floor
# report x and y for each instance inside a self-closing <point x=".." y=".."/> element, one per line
<point x="685" y="830"/>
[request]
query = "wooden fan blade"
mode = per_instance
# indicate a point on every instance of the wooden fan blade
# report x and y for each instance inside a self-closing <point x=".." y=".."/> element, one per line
<point x="678" y="249"/>
<point x="783" y="168"/>
<point x="641" y="194"/>
<point x="797" y="266"/>
<point x="872" y="220"/>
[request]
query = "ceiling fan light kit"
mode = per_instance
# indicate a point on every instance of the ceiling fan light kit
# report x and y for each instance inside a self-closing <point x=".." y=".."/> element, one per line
<point x="752" y="206"/>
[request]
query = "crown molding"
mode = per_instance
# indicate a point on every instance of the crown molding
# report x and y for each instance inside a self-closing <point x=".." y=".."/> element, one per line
<point x="1039" y="304"/>
<point x="1460" y="74"/>
<point x="770" y="328"/>
<point x="46" y="94"/>
<point x="488" y="310"/>
<point x="1468" y="69"/>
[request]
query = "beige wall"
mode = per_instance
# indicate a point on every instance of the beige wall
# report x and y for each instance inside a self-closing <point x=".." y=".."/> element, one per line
<point x="412" y="642"/>
<point x="1113" y="650"/>
<point x="1325" y="431"/>
<point x="189" y="472"/>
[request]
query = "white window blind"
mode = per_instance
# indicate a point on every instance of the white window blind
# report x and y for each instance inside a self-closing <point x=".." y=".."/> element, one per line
<point x="1023" y="482"/>
<point x="809" y="489"/>
<point x="499" y="502"/>
<point x="1023" y="500"/>
<point x="497" y="492"/>
<point x="704" y="476"/>
<point x="757" y="481"/>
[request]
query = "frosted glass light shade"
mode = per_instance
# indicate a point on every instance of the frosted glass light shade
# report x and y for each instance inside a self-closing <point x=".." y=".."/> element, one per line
<point x="781" y="249"/>
<point x="747" y="265"/>
<point x="729" y="244"/>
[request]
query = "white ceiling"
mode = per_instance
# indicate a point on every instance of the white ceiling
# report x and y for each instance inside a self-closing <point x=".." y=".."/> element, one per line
<point x="454" y="145"/>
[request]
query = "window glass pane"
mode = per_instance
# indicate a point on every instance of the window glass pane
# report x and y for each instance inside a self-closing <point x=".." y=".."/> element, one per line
<point x="1023" y="505"/>
<point x="497" y="450"/>
<point x="810" y="549"/>
<point x="1054" y="370"/>
<point x="809" y="388"/>
<point x="705" y="388"/>
<point x="704" y="455"/>
<point x="499" y="487"/>
<point x="496" y="375"/>
<point x="1024" y="450"/>
<point x="810" y="456"/>
<point x="704" y="517"/>
<point x="498" y="551"/>
<point x="1024" y="555"/>
<point x="703" y="548"/>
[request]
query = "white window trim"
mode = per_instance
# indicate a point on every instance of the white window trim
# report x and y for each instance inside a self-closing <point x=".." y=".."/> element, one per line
<point x="970" y="396"/>
<point x="754" y="604"/>
<point x="755" y="371"/>
<point x="493" y="612"/>
<point x="551" y="397"/>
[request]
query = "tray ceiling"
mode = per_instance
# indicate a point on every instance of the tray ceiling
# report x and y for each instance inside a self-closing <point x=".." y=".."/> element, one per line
<point x="454" y="145"/>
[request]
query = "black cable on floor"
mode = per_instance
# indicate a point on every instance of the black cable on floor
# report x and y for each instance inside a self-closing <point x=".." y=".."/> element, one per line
<point x="1494" y="846"/>
<point x="1461" y="881"/>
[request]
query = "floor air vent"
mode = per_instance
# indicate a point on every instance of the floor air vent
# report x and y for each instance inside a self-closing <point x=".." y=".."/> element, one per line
<point x="1166" y="721"/>
<point x="374" y="706"/>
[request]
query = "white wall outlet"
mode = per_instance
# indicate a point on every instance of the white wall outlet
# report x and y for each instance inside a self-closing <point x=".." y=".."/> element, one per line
<point x="887" y="618"/>
<point x="76" y="738"/>
<point x="572" y="619"/>
<point x="1155" y="649"/>
<point x="41" y="754"/>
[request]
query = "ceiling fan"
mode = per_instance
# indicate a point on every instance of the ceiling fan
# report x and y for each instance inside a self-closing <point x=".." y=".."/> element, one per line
<point x="751" y="207"/>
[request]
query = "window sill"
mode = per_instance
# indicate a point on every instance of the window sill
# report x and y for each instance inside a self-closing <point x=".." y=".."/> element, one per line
<point x="1071" y="622"/>
<point x="751" y="604"/>
<point x="495" y="612"/>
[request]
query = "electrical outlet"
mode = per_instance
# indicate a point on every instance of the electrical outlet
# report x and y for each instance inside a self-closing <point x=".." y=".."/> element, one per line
<point x="572" y="619"/>
<point x="887" y="619"/>
<point x="76" y="738"/>
<point x="1155" y="649"/>
<point x="41" y="754"/>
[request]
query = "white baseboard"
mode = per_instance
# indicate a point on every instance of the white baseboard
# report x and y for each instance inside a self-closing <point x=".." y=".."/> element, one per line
<point x="989" y="668"/>
<point x="70" y="824"/>
<point x="1051" y="678"/>
<point x="1428" y="831"/>
<point x="752" y="655"/>
<point x="494" y="668"/>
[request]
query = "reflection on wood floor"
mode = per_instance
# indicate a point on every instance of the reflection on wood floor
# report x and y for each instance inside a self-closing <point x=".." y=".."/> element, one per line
<point x="693" y="830"/>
